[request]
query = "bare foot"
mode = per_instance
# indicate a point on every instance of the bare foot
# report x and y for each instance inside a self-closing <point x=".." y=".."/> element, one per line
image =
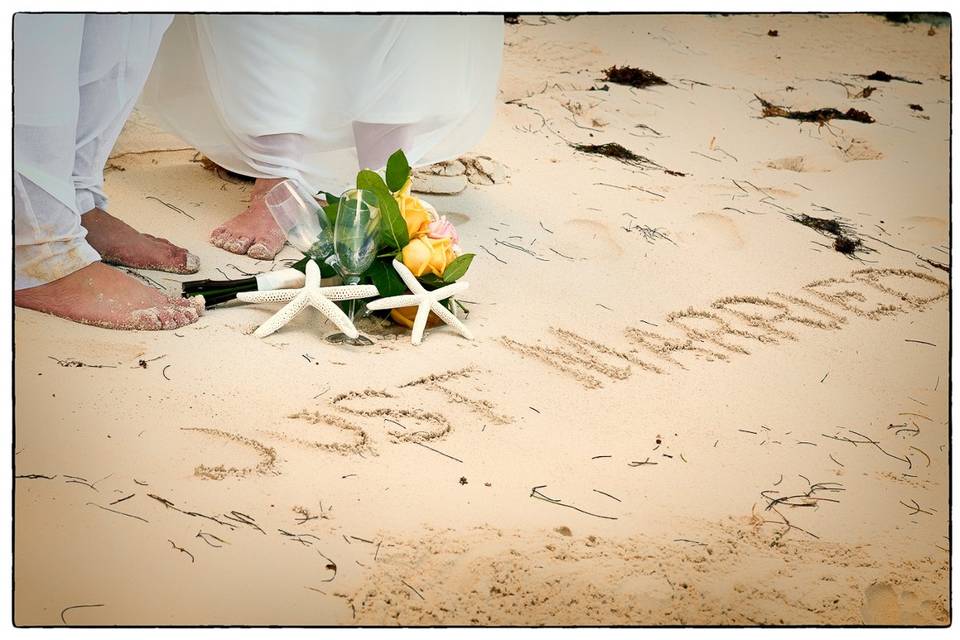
<point x="253" y="232"/>
<point x="106" y="297"/>
<point x="119" y="243"/>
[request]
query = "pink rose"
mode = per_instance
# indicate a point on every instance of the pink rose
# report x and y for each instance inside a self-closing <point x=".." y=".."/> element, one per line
<point x="443" y="228"/>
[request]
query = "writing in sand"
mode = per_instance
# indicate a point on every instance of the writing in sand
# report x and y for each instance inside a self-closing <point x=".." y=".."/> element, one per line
<point x="732" y="323"/>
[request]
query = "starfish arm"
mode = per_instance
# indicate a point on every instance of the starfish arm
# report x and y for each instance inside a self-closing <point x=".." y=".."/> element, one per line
<point x="334" y="313"/>
<point x="282" y="317"/>
<point x="408" y="278"/>
<point x="420" y="323"/>
<point x="350" y="292"/>
<point x="277" y="295"/>
<point x="312" y="273"/>
<point x="394" y="302"/>
<point x="449" y="290"/>
<point x="449" y="318"/>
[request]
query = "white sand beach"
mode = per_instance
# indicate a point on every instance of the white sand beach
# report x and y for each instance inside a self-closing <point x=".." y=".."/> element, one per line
<point x="681" y="406"/>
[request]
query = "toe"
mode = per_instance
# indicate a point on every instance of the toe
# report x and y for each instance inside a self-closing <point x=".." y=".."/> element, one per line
<point x="192" y="263"/>
<point x="182" y="261"/>
<point x="185" y="316"/>
<point x="198" y="303"/>
<point x="146" y="320"/>
<point x="192" y="303"/>
<point x="238" y="245"/>
<point x="218" y="236"/>
<point x="167" y="316"/>
<point x="190" y="315"/>
<point x="263" y="249"/>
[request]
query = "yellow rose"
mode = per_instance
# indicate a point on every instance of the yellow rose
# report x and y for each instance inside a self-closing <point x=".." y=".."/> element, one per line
<point x="404" y="316"/>
<point x="414" y="213"/>
<point x="428" y="254"/>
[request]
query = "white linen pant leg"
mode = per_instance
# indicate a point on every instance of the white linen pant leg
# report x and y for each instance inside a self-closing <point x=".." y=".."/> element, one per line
<point x="118" y="51"/>
<point x="74" y="78"/>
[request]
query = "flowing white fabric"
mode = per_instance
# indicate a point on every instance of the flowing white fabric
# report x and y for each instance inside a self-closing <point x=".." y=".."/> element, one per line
<point x="76" y="79"/>
<point x="312" y="97"/>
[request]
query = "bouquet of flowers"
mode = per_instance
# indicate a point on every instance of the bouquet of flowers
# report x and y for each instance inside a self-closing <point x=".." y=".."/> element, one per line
<point x="411" y="232"/>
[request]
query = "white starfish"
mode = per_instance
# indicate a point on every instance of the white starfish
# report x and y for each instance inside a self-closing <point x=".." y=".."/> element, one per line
<point x="313" y="295"/>
<point x="426" y="302"/>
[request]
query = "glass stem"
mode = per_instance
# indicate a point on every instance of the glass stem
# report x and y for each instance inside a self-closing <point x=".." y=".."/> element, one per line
<point x="351" y="280"/>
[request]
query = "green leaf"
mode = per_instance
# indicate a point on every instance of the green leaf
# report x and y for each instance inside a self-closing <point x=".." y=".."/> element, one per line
<point x="370" y="181"/>
<point x="393" y="228"/>
<point x="457" y="268"/>
<point x="398" y="170"/>
<point x="383" y="275"/>
<point x="330" y="198"/>
<point x="331" y="211"/>
<point x="301" y="264"/>
<point x="431" y="281"/>
<point x="326" y="271"/>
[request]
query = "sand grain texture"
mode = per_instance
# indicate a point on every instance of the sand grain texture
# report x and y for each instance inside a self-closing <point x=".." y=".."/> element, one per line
<point x="682" y="406"/>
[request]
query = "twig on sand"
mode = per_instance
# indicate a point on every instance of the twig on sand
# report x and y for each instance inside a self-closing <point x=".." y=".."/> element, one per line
<point x="195" y="514"/>
<point x="867" y="440"/>
<point x="203" y="536"/>
<point x="493" y="255"/>
<point x="929" y="461"/>
<point x="129" y="515"/>
<point x="806" y="499"/>
<point x="77" y="606"/>
<point x="916" y="508"/>
<point x="412" y="588"/>
<point x="181" y="549"/>
<point x="786" y="523"/>
<point x="170" y="206"/>
<point x="604" y="493"/>
<point x="243" y="518"/>
<point x="70" y="362"/>
<point x="446" y="455"/>
<point x="535" y="493"/>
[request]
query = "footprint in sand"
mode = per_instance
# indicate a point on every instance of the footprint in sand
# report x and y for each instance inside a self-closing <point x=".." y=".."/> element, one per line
<point x="856" y="149"/>
<point x="592" y="239"/>
<point x="882" y="606"/>
<point x="714" y="230"/>
<point x="926" y="228"/>
<point x="800" y="164"/>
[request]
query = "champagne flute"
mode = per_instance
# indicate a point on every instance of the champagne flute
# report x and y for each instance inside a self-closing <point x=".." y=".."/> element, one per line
<point x="299" y="215"/>
<point x="355" y="245"/>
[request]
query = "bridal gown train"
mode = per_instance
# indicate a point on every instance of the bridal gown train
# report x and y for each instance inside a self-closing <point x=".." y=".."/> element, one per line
<point x="315" y="97"/>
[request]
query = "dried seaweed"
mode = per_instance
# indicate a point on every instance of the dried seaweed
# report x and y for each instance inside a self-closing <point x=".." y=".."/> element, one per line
<point x="620" y="153"/>
<point x="883" y="76"/>
<point x="819" y="116"/>
<point x="845" y="239"/>
<point x="633" y="77"/>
